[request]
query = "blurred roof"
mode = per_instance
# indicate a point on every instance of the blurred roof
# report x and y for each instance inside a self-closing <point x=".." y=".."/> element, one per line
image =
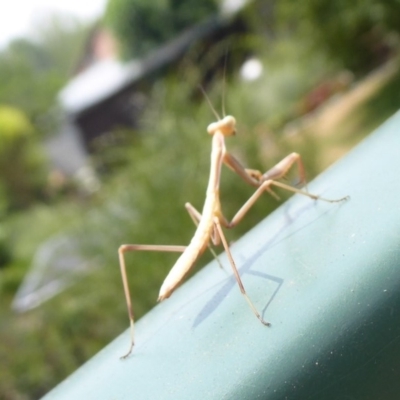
<point x="106" y="77"/>
<point x="96" y="83"/>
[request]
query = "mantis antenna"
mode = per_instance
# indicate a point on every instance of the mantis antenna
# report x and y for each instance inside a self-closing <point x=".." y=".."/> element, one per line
<point x="209" y="103"/>
<point x="223" y="83"/>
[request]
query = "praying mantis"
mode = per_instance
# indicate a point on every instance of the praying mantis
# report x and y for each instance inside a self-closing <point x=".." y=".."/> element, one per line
<point x="211" y="220"/>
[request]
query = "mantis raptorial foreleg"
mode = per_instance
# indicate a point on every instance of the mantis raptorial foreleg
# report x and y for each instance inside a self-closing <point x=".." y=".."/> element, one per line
<point x="255" y="177"/>
<point x="196" y="217"/>
<point x="279" y="170"/>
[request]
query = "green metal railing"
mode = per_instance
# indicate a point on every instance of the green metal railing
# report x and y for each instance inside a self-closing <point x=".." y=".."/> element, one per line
<point x="327" y="276"/>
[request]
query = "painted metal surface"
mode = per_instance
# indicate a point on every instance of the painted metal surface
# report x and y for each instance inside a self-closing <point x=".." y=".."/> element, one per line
<point x="327" y="276"/>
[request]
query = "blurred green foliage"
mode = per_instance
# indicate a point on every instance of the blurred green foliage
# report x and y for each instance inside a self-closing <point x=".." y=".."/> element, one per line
<point x="142" y="25"/>
<point x="357" y="36"/>
<point x="24" y="76"/>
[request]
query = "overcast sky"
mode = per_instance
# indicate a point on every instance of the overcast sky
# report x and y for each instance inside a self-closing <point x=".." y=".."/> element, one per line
<point x="16" y="16"/>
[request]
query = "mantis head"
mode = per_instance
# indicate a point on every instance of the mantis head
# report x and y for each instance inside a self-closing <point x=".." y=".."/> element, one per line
<point x="227" y="126"/>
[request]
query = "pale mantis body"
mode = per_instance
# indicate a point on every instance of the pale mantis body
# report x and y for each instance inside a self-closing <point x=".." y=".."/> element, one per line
<point x="210" y="221"/>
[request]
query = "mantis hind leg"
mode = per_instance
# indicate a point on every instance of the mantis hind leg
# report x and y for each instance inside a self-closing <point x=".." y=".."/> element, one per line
<point x="137" y="247"/>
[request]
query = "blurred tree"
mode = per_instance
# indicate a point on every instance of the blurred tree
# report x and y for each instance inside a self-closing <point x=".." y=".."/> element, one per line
<point x="61" y="37"/>
<point x="33" y="70"/>
<point x="142" y="25"/>
<point x="21" y="163"/>
<point x="26" y="80"/>
<point x="354" y="34"/>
